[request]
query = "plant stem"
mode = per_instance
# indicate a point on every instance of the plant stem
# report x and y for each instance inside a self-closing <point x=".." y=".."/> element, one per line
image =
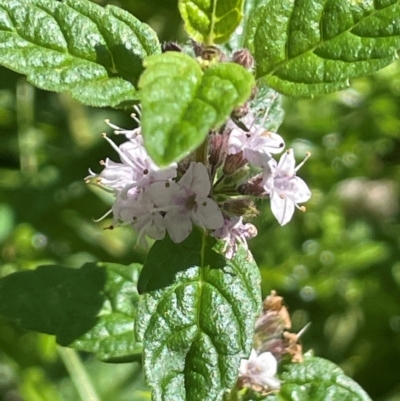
<point x="78" y="374"/>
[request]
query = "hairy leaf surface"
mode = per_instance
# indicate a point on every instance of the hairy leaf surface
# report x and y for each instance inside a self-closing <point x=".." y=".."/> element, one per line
<point x="91" y="309"/>
<point x="94" y="53"/>
<point x="180" y="103"/>
<point x="211" y="21"/>
<point x="310" y="47"/>
<point x="196" y="319"/>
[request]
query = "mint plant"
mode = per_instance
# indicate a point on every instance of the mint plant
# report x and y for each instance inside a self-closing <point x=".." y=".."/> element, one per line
<point x="188" y="179"/>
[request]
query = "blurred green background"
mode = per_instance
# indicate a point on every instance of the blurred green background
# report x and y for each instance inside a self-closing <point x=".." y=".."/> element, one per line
<point x="337" y="265"/>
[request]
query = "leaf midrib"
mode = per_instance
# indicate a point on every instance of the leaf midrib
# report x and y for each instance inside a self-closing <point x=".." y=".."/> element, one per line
<point x="113" y="71"/>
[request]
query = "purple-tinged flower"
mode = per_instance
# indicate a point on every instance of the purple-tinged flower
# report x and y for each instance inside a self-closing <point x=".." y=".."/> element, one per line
<point x="187" y="202"/>
<point x="136" y="170"/>
<point x="257" y="144"/>
<point x="234" y="232"/>
<point x="285" y="189"/>
<point x="259" y="370"/>
<point x="141" y="213"/>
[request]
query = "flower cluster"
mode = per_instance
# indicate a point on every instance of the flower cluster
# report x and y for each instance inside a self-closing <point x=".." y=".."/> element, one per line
<point x="273" y="343"/>
<point x="216" y="193"/>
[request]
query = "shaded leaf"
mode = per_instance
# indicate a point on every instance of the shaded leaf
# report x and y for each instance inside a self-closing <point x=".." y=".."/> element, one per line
<point x="94" y="53"/>
<point x="211" y="21"/>
<point x="196" y="319"/>
<point x="91" y="309"/>
<point x="180" y="104"/>
<point x="314" y="47"/>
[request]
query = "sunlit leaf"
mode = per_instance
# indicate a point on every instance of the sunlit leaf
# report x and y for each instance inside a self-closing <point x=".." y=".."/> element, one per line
<point x="196" y="319"/>
<point x="94" y="53"/>
<point x="211" y="21"/>
<point x="317" y="379"/>
<point x="313" y="47"/>
<point x="180" y="104"/>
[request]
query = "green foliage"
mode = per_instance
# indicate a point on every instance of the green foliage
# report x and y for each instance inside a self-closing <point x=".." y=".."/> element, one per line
<point x="314" y="47"/>
<point x="92" y="52"/>
<point x="180" y="103"/>
<point x="211" y="21"/>
<point x="317" y="379"/>
<point x="196" y="320"/>
<point x="91" y="309"/>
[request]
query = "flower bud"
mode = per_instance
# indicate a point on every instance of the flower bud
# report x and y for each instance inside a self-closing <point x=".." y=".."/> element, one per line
<point x="252" y="187"/>
<point x="244" y="58"/>
<point x="241" y="207"/>
<point x="233" y="163"/>
<point x="217" y="148"/>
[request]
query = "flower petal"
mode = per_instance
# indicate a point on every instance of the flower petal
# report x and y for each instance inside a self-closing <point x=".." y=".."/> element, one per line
<point x="207" y="214"/>
<point x="282" y="208"/>
<point x="178" y="224"/>
<point x="299" y="191"/>
<point x="287" y="164"/>
<point x="197" y="179"/>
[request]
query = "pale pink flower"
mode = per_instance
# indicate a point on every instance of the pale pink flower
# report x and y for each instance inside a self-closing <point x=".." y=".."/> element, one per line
<point x="234" y="233"/>
<point x="260" y="370"/>
<point x="187" y="202"/>
<point x="285" y="189"/>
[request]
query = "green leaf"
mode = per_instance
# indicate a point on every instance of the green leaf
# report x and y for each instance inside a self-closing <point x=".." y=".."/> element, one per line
<point x="211" y="21"/>
<point x="91" y="309"/>
<point x="94" y="53"/>
<point x="196" y="320"/>
<point x="180" y="104"/>
<point x="313" y="47"/>
<point x="317" y="379"/>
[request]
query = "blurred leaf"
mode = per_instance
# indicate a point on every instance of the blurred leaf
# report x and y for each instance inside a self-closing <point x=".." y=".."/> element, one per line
<point x="196" y="319"/>
<point x="267" y="100"/>
<point x="94" y="53"/>
<point x="317" y="379"/>
<point x="211" y="21"/>
<point x="180" y="104"/>
<point x="91" y="309"/>
<point x="314" y="47"/>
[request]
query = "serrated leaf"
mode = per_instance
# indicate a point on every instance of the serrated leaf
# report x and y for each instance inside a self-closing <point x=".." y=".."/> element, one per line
<point x="92" y="309"/>
<point x="317" y="379"/>
<point x="313" y="47"/>
<point x="196" y="320"/>
<point x="180" y="104"/>
<point x="211" y="21"/>
<point x="94" y="53"/>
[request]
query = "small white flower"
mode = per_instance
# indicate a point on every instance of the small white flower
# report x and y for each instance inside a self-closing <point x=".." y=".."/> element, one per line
<point x="136" y="170"/>
<point x="257" y="144"/>
<point x="186" y="202"/>
<point x="141" y="213"/>
<point x="234" y="232"/>
<point x="285" y="189"/>
<point x="260" y="370"/>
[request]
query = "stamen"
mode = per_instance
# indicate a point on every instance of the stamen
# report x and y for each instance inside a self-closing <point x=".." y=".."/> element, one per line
<point x="103" y="217"/>
<point x="308" y="155"/>
<point x="117" y="149"/>
<point x="303" y="330"/>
